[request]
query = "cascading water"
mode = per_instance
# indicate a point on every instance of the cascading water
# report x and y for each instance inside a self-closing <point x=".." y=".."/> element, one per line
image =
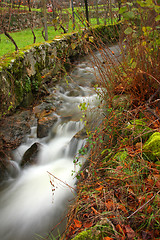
<point x="29" y="204"/>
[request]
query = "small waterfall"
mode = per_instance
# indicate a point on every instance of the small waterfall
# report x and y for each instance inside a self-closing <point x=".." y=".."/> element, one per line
<point x="35" y="198"/>
<point x="29" y="206"/>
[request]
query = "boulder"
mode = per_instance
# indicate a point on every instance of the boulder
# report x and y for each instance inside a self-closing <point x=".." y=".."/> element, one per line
<point x="13" y="129"/>
<point x="30" y="156"/>
<point x="44" y="125"/>
<point x="3" y="170"/>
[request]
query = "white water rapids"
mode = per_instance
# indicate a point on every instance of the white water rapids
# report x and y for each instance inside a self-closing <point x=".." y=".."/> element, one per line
<point x="28" y="206"/>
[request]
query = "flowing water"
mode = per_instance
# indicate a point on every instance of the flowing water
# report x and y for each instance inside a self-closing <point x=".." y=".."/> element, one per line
<point x="35" y="198"/>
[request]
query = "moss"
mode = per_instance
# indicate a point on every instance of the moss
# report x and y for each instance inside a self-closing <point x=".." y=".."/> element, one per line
<point x="151" y="149"/>
<point x="84" y="235"/>
<point x="9" y="59"/>
<point x="101" y="230"/>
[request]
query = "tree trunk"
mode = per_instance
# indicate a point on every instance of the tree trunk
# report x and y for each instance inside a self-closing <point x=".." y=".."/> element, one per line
<point x="97" y="14"/>
<point x="73" y="19"/>
<point x="119" y="6"/>
<point x="29" y="5"/>
<point x="87" y="14"/>
<point x="45" y="19"/>
<point x="9" y="36"/>
<point x="34" y="36"/>
<point x="105" y="14"/>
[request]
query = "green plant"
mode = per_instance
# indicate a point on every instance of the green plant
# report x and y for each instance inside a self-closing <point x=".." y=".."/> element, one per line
<point x="140" y="21"/>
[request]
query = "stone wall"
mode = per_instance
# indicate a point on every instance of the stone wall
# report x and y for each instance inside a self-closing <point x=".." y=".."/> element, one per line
<point x="24" y="74"/>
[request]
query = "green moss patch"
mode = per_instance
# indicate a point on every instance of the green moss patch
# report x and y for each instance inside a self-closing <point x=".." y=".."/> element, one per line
<point x="151" y="148"/>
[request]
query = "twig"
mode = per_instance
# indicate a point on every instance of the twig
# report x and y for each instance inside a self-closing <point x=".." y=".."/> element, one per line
<point x="150" y="99"/>
<point x="62" y="181"/>
<point x="144" y="205"/>
<point x="150" y="76"/>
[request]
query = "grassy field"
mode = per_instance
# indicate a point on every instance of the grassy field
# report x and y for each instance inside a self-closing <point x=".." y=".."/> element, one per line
<point x="25" y="37"/>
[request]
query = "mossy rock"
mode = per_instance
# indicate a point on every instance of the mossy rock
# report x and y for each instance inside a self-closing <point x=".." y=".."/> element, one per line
<point x="98" y="232"/>
<point x="151" y="149"/>
<point x="138" y="127"/>
<point x="84" y="235"/>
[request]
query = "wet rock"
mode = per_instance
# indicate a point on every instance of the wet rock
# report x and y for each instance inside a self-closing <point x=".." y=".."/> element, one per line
<point x="3" y="171"/>
<point x="30" y="156"/>
<point x="13" y="129"/>
<point x="44" y="125"/>
<point x="8" y="169"/>
<point x="46" y="118"/>
<point x="44" y="109"/>
<point x="81" y="134"/>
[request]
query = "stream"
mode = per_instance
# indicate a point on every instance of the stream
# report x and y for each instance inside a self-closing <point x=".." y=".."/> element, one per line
<point x="36" y="200"/>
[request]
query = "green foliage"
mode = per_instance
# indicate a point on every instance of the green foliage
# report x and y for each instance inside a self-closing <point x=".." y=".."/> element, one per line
<point x="141" y="46"/>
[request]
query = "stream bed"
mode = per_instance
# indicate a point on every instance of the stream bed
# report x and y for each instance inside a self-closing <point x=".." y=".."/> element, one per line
<point x="35" y="198"/>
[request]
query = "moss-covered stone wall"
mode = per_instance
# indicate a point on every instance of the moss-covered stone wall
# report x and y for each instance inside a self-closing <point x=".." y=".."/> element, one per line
<point x="23" y="73"/>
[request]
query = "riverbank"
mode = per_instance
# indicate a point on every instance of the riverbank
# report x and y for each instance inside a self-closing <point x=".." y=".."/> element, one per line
<point x="118" y="192"/>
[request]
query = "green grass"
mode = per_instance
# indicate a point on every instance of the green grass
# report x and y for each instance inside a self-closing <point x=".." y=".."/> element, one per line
<point x="25" y="37"/>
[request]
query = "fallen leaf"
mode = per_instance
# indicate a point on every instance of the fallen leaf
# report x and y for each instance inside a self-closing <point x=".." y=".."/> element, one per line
<point x="99" y="188"/>
<point x="130" y="233"/>
<point x="107" y="238"/>
<point x="77" y="223"/>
